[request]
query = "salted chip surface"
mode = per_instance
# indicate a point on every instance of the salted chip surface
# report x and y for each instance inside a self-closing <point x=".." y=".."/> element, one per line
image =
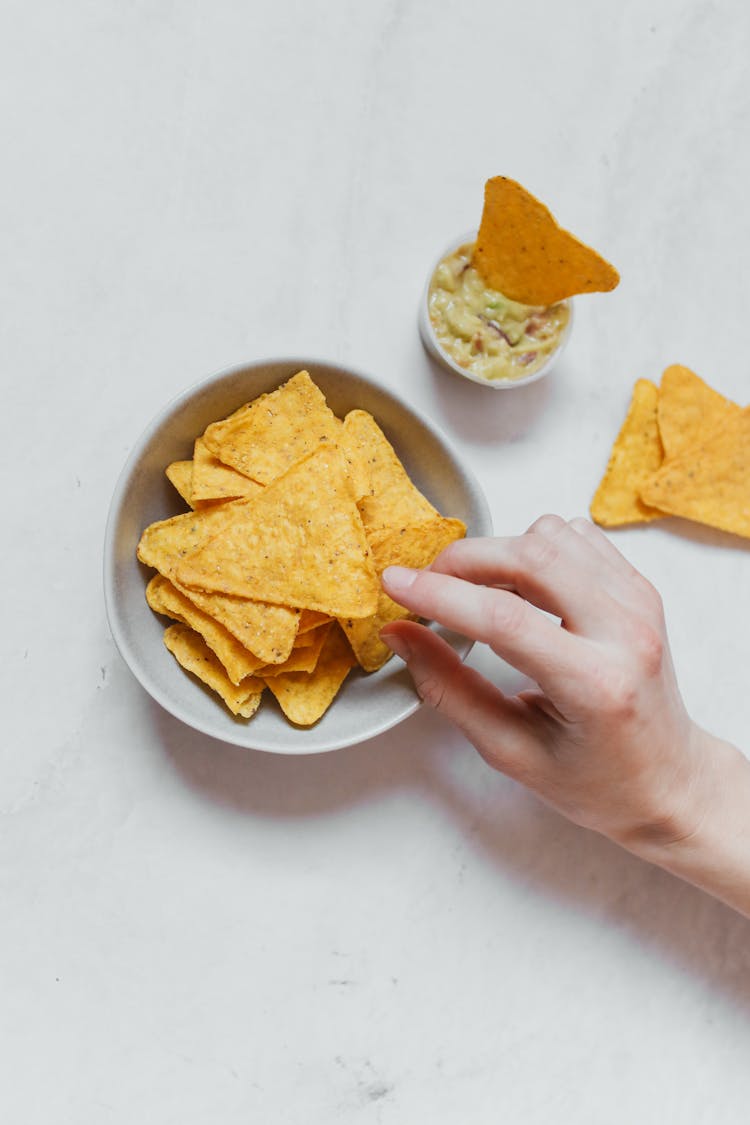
<point x="238" y="661"/>
<point x="523" y="252"/>
<point x="635" y="457"/>
<point x="303" y="657"/>
<point x="265" y="437"/>
<point x="268" y="631"/>
<point x="688" y="410"/>
<point x="300" y="543"/>
<point x="222" y="427"/>
<point x="304" y="698"/>
<point x="710" y="483"/>
<point x="310" y="619"/>
<point x="415" y="546"/>
<point x="388" y="497"/>
<point x="192" y="652"/>
<point x="180" y="475"/>
<point x="213" y="480"/>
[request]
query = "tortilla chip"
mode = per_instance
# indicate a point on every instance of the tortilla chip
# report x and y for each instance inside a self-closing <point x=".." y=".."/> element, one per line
<point x="389" y="499"/>
<point x="180" y="474"/>
<point x="303" y="657"/>
<point x="523" y="252"/>
<point x="310" y="619"/>
<point x="711" y="483"/>
<point x="304" y="698"/>
<point x="265" y="437"/>
<point x="635" y="457"/>
<point x="416" y="546"/>
<point x="238" y="661"/>
<point x="213" y="480"/>
<point x="300" y="543"/>
<point x="688" y="410"/>
<point x="268" y="631"/>
<point x="195" y="656"/>
<point x="275" y="550"/>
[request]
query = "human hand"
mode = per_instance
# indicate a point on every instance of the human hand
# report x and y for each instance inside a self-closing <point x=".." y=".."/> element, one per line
<point x="605" y="737"/>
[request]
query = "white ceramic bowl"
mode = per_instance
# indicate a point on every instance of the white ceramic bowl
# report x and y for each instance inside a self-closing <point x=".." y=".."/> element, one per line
<point x="433" y="348"/>
<point x="367" y="704"/>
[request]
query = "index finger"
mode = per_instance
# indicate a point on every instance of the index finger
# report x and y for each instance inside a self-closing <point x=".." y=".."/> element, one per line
<point x="532" y="643"/>
<point x="554" y="568"/>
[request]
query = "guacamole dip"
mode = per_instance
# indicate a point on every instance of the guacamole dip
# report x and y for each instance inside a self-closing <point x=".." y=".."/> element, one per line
<point x="484" y="332"/>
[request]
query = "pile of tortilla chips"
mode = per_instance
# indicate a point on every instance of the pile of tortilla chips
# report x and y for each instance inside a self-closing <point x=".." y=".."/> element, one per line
<point x="522" y="252"/>
<point x="273" y="578"/>
<point x="683" y="450"/>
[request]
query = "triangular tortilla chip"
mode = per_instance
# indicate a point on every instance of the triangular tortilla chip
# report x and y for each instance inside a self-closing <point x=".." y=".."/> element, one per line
<point x="523" y="252"/>
<point x="180" y="475"/>
<point x="688" y="410"/>
<point x="711" y="483"/>
<point x="635" y="457"/>
<point x="265" y="437"/>
<point x="389" y="499"/>
<point x="416" y="546"/>
<point x="310" y="619"/>
<point x="213" y="480"/>
<point x="304" y="698"/>
<point x="303" y="657"/>
<point x="268" y="631"/>
<point x="300" y="543"/>
<point x="195" y="656"/>
<point x="238" y="661"/>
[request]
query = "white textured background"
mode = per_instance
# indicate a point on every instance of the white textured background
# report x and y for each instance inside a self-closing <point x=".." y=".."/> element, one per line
<point x="389" y="934"/>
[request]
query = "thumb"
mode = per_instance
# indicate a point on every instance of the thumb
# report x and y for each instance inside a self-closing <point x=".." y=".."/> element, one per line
<point x="499" y="727"/>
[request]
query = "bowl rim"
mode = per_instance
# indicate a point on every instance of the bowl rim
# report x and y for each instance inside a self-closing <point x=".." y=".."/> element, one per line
<point x="432" y="345"/>
<point x="111" y="601"/>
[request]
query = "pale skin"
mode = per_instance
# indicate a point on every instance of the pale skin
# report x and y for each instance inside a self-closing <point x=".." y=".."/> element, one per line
<point x="605" y="738"/>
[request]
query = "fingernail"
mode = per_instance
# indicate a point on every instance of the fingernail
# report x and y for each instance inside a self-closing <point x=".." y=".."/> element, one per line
<point x="398" y="578"/>
<point x="397" y="645"/>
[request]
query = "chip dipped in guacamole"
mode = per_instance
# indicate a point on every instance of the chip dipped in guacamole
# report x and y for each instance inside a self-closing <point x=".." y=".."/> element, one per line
<point x="485" y="332"/>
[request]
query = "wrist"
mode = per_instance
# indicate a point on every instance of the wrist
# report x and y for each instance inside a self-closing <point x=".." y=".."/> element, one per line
<point x="677" y="807"/>
<point x="707" y="839"/>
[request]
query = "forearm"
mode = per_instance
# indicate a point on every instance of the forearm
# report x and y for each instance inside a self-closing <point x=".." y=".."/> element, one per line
<point x="715" y="855"/>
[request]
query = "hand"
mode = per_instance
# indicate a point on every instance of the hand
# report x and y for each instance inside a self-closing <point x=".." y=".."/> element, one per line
<point x="605" y="737"/>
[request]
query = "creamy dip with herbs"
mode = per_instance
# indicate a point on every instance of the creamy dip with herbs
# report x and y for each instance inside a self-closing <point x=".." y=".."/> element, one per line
<point x="484" y="332"/>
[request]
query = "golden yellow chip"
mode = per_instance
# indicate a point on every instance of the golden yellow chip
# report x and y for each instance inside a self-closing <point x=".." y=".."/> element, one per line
<point x="415" y="546"/>
<point x="238" y="661"/>
<point x="195" y="656"/>
<point x="276" y="550"/>
<point x="180" y="474"/>
<point x="688" y="410"/>
<point x="300" y="543"/>
<point x="265" y="437"/>
<point x="635" y="457"/>
<point x="310" y="619"/>
<point x="268" y="631"/>
<point x="165" y="542"/>
<point x="213" y="480"/>
<point x="389" y="499"/>
<point x="709" y="483"/>
<point x="523" y="253"/>
<point x="303" y="657"/>
<point x="304" y="698"/>
<point x="220" y="429"/>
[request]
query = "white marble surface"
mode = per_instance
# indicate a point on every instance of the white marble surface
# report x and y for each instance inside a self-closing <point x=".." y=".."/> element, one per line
<point x="389" y="934"/>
